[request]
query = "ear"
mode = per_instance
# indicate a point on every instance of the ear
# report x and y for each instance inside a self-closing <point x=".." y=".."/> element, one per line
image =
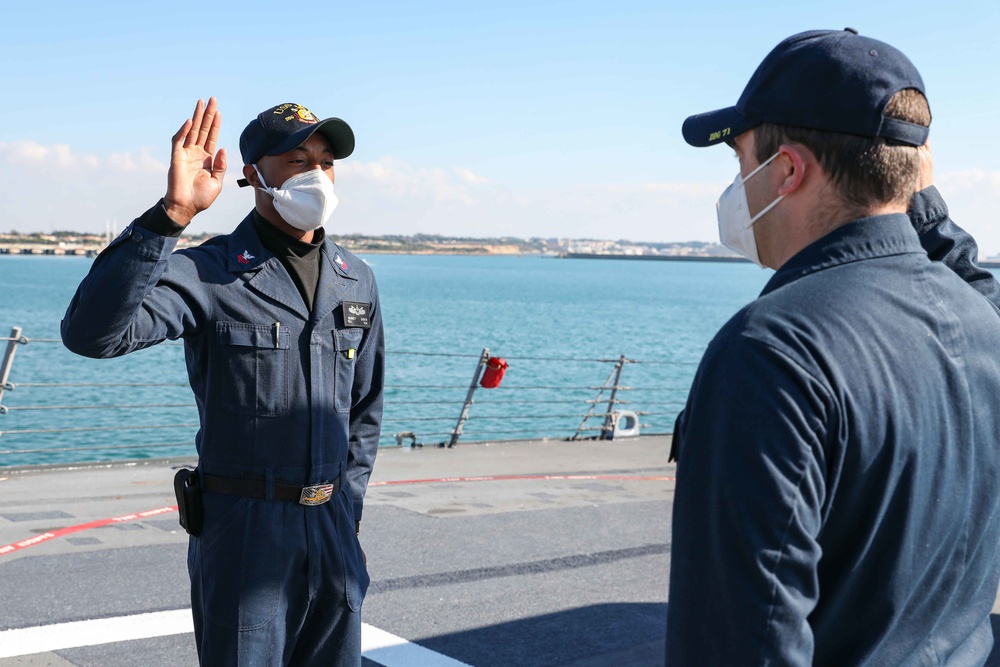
<point x="250" y="174"/>
<point x="794" y="159"/>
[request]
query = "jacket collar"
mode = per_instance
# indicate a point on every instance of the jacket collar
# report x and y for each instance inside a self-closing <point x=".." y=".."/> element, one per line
<point x="336" y="259"/>
<point x="335" y="276"/>
<point x="262" y="271"/>
<point x="245" y="251"/>
<point x="867" y="238"/>
<point x="265" y="274"/>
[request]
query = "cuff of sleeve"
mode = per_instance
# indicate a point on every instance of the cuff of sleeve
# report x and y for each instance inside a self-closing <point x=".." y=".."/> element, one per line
<point x="157" y="221"/>
<point x="927" y="208"/>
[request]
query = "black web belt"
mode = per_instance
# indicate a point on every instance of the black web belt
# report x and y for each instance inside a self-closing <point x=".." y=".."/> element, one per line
<point x="314" y="494"/>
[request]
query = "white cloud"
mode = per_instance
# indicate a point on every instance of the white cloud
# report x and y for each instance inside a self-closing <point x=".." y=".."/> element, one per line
<point x="137" y="162"/>
<point x="44" y="188"/>
<point x="970" y="179"/>
<point x="24" y="152"/>
<point x="469" y="177"/>
<point x="402" y="180"/>
<point x="60" y="157"/>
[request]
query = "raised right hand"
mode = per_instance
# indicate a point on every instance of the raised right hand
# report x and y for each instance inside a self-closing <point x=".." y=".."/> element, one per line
<point x="194" y="179"/>
<point x="926" y="178"/>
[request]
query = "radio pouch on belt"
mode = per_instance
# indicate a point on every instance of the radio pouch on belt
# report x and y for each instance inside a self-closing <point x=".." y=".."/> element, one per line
<point x="188" y="493"/>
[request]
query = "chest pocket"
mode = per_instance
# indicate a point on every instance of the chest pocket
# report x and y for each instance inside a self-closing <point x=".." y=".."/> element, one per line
<point x="346" y="342"/>
<point x="250" y="368"/>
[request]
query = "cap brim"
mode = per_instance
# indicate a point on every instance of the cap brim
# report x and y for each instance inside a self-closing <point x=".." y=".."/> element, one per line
<point x="338" y="133"/>
<point x="714" y="127"/>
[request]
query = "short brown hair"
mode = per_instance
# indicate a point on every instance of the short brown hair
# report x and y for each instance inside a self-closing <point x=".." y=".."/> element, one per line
<point x="867" y="171"/>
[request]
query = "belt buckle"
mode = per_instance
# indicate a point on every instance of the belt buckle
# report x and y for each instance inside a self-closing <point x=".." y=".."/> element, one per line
<point x="316" y="494"/>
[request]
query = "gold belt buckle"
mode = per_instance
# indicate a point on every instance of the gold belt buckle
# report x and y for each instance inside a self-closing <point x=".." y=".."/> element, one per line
<point x="317" y="494"/>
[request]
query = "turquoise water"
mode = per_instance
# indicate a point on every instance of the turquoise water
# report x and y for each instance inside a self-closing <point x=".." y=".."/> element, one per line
<point x="552" y="319"/>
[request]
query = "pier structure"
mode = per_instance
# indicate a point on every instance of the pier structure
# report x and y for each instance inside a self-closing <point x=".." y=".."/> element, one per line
<point x="86" y="250"/>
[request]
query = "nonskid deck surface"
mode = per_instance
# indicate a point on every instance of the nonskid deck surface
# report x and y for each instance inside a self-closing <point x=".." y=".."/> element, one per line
<point x="522" y="553"/>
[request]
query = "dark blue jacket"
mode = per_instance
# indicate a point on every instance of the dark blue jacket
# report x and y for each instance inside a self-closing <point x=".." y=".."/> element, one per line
<point x="838" y="492"/>
<point x="283" y="394"/>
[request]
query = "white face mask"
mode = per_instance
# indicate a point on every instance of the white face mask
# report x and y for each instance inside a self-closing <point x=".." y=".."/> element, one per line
<point x="305" y="201"/>
<point x="735" y="223"/>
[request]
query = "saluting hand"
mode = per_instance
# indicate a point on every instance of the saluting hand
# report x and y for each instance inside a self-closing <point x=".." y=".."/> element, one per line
<point x="926" y="178"/>
<point x="194" y="179"/>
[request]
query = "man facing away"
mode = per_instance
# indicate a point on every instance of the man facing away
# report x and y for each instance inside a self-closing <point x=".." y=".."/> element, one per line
<point x="838" y="491"/>
<point x="282" y="335"/>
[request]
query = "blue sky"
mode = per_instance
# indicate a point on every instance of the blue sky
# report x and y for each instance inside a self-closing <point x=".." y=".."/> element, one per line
<point x="538" y="118"/>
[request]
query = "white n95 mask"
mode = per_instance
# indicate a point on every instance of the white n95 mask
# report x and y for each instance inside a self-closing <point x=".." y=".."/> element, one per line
<point x="305" y="201"/>
<point x="735" y="223"/>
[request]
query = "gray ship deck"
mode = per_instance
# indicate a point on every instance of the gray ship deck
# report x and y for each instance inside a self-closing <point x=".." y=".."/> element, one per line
<point x="552" y="554"/>
<point x="520" y="570"/>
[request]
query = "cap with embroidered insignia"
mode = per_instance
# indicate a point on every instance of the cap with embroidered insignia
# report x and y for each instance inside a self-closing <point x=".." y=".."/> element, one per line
<point x="831" y="80"/>
<point x="286" y="126"/>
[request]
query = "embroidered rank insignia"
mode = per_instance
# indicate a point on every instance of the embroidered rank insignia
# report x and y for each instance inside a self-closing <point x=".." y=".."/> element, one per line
<point x="357" y="314"/>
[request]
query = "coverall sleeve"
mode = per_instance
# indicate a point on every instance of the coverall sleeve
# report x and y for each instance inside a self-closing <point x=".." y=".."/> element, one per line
<point x="125" y="303"/>
<point x="366" y="409"/>
<point x="949" y="244"/>
<point x="747" y="511"/>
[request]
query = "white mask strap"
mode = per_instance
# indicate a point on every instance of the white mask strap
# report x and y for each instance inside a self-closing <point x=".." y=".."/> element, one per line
<point x="266" y="188"/>
<point x="775" y="202"/>
<point x="759" y="167"/>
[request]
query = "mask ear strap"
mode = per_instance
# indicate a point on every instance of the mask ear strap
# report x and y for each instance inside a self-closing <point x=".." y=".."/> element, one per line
<point x="759" y="167"/>
<point x="261" y="177"/>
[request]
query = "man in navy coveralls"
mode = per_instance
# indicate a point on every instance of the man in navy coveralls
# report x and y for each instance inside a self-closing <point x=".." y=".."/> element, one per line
<point x="838" y="491"/>
<point x="282" y="334"/>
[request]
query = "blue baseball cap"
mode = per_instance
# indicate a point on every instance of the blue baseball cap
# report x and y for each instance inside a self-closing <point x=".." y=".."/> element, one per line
<point x="832" y="80"/>
<point x="286" y="126"/>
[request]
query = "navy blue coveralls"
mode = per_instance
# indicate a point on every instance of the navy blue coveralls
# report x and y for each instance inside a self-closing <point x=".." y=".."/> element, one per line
<point x="284" y="395"/>
<point x="838" y="491"/>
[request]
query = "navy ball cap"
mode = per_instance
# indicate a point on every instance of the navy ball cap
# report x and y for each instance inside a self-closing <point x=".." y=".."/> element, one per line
<point x="832" y="80"/>
<point x="283" y="127"/>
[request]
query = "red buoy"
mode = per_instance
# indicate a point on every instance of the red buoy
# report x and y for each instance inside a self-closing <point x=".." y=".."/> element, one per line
<point x="493" y="375"/>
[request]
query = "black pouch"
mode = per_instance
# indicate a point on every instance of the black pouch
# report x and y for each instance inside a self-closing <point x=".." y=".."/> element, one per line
<point x="189" y="507"/>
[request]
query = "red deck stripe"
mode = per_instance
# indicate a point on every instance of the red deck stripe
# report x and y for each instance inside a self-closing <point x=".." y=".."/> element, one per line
<point x="51" y="535"/>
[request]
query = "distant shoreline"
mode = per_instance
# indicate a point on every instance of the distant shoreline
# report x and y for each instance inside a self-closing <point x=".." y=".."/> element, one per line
<point x="666" y="258"/>
<point x="985" y="264"/>
<point x="91" y="252"/>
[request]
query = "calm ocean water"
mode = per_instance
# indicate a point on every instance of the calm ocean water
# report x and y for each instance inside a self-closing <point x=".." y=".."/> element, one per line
<point x="552" y="319"/>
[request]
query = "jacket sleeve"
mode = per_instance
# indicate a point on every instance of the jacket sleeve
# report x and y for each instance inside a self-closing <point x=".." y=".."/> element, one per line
<point x="125" y="303"/>
<point x="366" y="408"/>
<point x="747" y="511"/>
<point x="949" y="244"/>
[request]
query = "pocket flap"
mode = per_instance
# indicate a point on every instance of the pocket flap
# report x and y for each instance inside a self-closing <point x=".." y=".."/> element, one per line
<point x="346" y="339"/>
<point x="253" y="335"/>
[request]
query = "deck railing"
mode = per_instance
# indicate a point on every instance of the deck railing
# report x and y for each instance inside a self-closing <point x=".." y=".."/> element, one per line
<point x="84" y="418"/>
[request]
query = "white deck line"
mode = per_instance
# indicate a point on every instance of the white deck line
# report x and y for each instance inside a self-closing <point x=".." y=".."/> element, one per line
<point x="58" y="636"/>
<point x="384" y="648"/>
<point x="391" y="651"/>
